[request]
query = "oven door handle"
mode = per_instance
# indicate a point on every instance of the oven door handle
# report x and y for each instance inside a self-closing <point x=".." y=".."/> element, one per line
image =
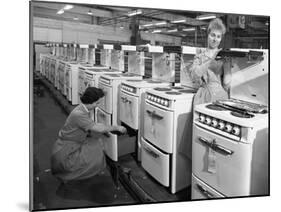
<point x="152" y="153"/>
<point x="157" y="116"/>
<point x="149" y="112"/>
<point x="125" y="100"/>
<point x="216" y="147"/>
<point x="205" y="192"/>
<point x="154" y="115"/>
<point x="222" y="150"/>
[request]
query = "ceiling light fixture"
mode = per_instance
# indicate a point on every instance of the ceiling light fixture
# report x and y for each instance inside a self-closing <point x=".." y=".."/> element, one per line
<point x="68" y="7"/>
<point x="161" y="23"/>
<point x="135" y="12"/>
<point x="188" y="29"/>
<point x="156" y="31"/>
<point x="178" y="21"/>
<point x="60" y="12"/>
<point x="206" y="17"/>
<point x="90" y="12"/>
<point x="147" y="25"/>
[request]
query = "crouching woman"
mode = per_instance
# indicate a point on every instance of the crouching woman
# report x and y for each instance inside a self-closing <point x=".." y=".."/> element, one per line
<point x="76" y="155"/>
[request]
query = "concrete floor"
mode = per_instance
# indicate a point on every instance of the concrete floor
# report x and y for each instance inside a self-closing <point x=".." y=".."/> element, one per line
<point x="49" y="193"/>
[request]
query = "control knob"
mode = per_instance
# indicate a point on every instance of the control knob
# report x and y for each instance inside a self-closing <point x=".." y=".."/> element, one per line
<point x="228" y="128"/>
<point x="214" y="123"/>
<point x="208" y="120"/>
<point x="202" y="118"/>
<point x="221" y="125"/>
<point x="236" y="130"/>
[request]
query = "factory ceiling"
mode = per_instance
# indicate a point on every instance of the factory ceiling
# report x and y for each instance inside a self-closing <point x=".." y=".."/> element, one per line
<point x="171" y="22"/>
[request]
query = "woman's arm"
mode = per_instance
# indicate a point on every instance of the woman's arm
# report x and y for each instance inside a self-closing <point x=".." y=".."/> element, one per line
<point x="198" y="69"/>
<point x="227" y="74"/>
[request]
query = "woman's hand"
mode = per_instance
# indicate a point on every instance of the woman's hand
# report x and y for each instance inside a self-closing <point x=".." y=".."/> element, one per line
<point x="214" y="65"/>
<point x="121" y="129"/>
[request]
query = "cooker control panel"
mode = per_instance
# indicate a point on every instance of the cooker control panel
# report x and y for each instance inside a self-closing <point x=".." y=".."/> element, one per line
<point x="128" y="88"/>
<point x="158" y="100"/>
<point x="104" y="80"/>
<point x="89" y="76"/>
<point x="220" y="124"/>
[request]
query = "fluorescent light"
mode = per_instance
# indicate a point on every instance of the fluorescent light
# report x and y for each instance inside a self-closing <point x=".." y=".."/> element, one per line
<point x="156" y="31"/>
<point x="68" y="7"/>
<point x="61" y="11"/>
<point x="136" y="12"/>
<point x="90" y="12"/>
<point x="147" y="25"/>
<point x="205" y="17"/>
<point x="172" y="30"/>
<point x="178" y="21"/>
<point x="188" y="29"/>
<point x="75" y="18"/>
<point x="160" y="23"/>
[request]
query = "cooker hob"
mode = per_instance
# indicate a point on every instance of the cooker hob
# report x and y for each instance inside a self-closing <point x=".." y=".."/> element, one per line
<point x="113" y="75"/>
<point x="135" y="80"/>
<point x="187" y="91"/>
<point x="153" y="81"/>
<point x="162" y="89"/>
<point x="178" y="88"/>
<point x="215" y="107"/>
<point x="173" y="93"/>
<point x="242" y="115"/>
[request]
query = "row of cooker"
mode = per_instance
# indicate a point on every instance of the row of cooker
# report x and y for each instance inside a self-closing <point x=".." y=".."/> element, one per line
<point x="220" y="149"/>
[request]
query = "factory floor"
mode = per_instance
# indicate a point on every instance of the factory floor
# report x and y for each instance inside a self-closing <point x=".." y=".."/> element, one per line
<point x="133" y="184"/>
<point x="49" y="193"/>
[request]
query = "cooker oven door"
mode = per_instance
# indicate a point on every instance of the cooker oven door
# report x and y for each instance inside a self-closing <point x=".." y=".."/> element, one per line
<point x="61" y="80"/>
<point x="80" y="82"/>
<point x="201" y="190"/>
<point x="106" y="103"/>
<point x="56" y="75"/>
<point x="68" y="77"/>
<point x="158" y="127"/>
<point x="220" y="162"/>
<point x="155" y="162"/>
<point x="109" y="141"/>
<point x="68" y="93"/>
<point x="129" y="110"/>
<point x="87" y="83"/>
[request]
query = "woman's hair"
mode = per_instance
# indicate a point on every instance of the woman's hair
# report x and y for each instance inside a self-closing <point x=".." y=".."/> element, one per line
<point x="216" y="24"/>
<point x="91" y="95"/>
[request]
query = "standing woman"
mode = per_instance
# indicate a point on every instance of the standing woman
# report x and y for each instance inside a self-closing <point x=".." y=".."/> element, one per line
<point x="212" y="77"/>
<point x="75" y="155"/>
